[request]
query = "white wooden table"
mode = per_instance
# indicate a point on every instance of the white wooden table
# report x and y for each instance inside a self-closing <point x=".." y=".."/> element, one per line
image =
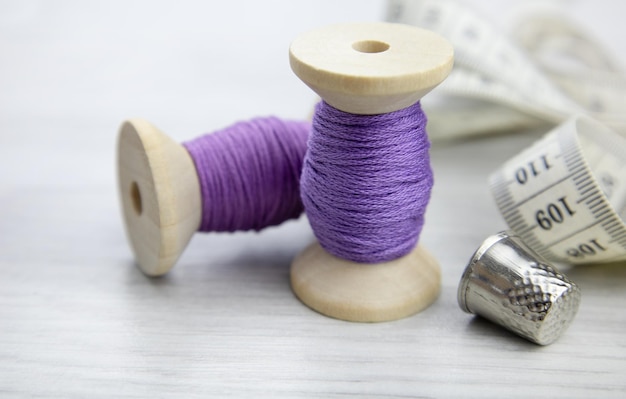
<point x="78" y="319"/>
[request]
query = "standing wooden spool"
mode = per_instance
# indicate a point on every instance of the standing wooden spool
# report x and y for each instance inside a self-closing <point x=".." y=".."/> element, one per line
<point x="368" y="69"/>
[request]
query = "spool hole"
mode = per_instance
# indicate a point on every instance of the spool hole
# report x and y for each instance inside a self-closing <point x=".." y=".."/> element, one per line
<point x="135" y="197"/>
<point x="370" y="46"/>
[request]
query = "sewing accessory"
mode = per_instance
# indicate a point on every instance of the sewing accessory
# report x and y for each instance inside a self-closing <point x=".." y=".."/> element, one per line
<point x="367" y="74"/>
<point x="565" y="196"/>
<point x="508" y="283"/>
<point x="244" y="177"/>
<point x="546" y="70"/>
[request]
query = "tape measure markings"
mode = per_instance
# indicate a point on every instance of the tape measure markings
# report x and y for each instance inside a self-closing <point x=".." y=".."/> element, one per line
<point x="594" y="196"/>
<point x="489" y="56"/>
<point x="560" y="240"/>
<point x="608" y="165"/>
<point x="549" y="194"/>
<point x="513" y="206"/>
<point x="587" y="192"/>
<point x="489" y="66"/>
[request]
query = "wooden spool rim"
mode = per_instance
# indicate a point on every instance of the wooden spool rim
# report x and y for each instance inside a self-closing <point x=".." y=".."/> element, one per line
<point x="371" y="68"/>
<point x="160" y="195"/>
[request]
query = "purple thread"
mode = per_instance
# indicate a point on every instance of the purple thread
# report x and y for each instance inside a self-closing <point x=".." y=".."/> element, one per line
<point x="249" y="174"/>
<point x="366" y="182"/>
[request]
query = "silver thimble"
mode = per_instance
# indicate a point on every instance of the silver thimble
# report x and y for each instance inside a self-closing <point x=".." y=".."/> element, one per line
<point x="509" y="284"/>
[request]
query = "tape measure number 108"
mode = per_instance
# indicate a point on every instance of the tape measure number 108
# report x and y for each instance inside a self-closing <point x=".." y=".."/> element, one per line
<point x="566" y="194"/>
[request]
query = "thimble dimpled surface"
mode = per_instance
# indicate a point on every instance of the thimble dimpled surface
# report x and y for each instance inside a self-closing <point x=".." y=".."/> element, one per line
<point x="507" y="283"/>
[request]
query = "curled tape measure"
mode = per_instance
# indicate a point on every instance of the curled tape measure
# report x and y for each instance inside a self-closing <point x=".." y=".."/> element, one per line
<point x="498" y="71"/>
<point x="566" y="194"/>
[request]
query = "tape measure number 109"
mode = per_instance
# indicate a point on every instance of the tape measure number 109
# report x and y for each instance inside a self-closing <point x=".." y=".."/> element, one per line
<point x="566" y="194"/>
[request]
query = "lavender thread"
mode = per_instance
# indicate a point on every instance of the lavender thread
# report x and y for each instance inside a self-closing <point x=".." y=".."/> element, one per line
<point x="249" y="174"/>
<point x="366" y="182"/>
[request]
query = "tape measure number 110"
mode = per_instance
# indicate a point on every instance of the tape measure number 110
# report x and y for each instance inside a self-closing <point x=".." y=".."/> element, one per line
<point x="566" y="194"/>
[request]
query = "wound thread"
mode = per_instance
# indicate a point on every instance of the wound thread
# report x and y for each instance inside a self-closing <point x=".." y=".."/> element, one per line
<point x="366" y="182"/>
<point x="249" y="174"/>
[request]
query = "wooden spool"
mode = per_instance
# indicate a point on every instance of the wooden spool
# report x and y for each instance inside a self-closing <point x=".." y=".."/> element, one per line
<point x="160" y="195"/>
<point x="367" y="69"/>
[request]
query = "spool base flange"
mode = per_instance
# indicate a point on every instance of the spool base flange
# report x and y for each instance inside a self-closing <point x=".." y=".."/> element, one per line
<point x="359" y="292"/>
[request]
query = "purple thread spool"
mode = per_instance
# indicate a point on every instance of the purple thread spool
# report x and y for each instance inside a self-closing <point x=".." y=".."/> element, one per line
<point x="366" y="182"/>
<point x="245" y="177"/>
<point x="363" y="71"/>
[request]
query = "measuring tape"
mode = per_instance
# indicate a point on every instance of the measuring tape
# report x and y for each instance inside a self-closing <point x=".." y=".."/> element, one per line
<point x="500" y="72"/>
<point x="566" y="194"/>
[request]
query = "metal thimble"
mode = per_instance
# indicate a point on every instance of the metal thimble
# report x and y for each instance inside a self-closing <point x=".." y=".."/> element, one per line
<point x="509" y="284"/>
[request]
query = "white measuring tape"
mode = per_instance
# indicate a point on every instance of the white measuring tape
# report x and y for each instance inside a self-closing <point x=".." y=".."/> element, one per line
<point x="527" y="76"/>
<point x="566" y="194"/>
